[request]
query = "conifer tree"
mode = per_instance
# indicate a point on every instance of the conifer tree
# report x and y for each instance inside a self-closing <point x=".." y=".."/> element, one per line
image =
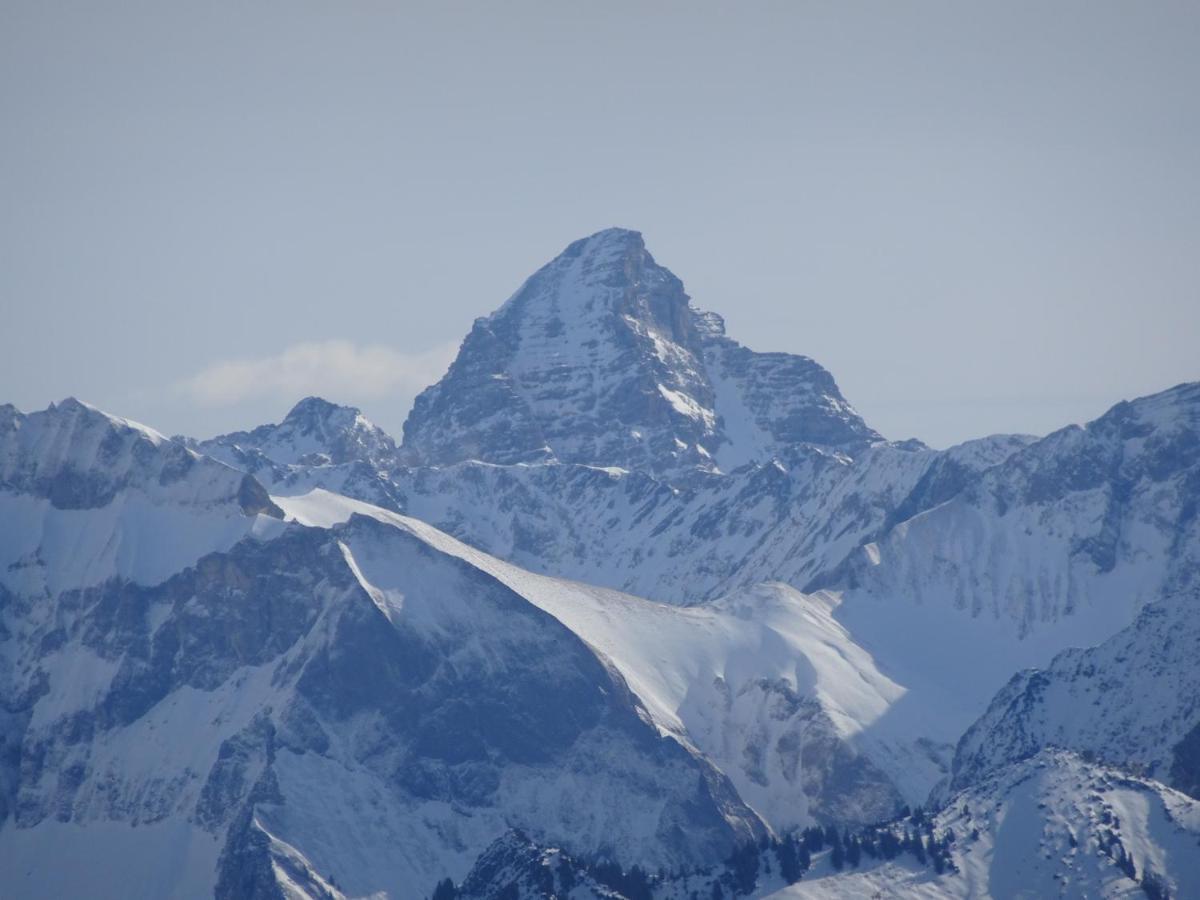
<point x="918" y="848"/>
<point x="788" y="853"/>
<point x="805" y="858"/>
<point x="744" y="866"/>
<point x="853" y="852"/>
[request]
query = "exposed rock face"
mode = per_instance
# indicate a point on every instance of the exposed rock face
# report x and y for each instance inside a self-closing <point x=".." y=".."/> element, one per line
<point x="599" y="359"/>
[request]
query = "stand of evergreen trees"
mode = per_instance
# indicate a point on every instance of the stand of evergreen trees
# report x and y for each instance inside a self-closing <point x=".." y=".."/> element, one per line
<point x="737" y="876"/>
<point x="634" y="884"/>
<point x="912" y="834"/>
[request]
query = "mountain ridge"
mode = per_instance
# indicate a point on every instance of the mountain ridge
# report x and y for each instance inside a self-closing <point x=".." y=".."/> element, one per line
<point x="636" y="591"/>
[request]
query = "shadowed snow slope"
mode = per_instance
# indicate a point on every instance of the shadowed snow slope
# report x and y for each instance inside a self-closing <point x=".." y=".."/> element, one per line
<point x="85" y="496"/>
<point x="765" y="682"/>
<point x="1133" y="701"/>
<point x="1086" y="524"/>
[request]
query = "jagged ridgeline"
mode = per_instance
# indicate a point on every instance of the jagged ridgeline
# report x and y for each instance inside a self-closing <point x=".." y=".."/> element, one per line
<point x="631" y="611"/>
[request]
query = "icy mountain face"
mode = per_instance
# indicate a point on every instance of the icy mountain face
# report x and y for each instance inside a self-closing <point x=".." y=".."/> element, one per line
<point x="1132" y="701"/>
<point x="630" y="531"/>
<point x="318" y="444"/>
<point x="79" y="458"/>
<point x="935" y="532"/>
<point x="599" y="359"/>
<point x="1056" y="825"/>
<point x="347" y="709"/>
<point x="315" y="433"/>
<point x="764" y="683"/>
<point x="1057" y="547"/>
<point x="1051" y="825"/>
<point x="1085" y="525"/>
<point x="85" y="496"/>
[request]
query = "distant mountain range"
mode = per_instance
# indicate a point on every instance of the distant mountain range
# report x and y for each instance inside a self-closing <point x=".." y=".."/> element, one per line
<point x="631" y="611"/>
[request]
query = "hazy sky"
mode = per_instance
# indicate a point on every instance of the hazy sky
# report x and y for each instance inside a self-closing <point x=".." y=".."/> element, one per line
<point x="979" y="220"/>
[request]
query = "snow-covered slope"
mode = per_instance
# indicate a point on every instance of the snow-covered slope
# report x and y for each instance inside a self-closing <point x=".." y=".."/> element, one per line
<point x="931" y="667"/>
<point x="1085" y="525"/>
<point x="85" y="496"/>
<point x="765" y="682"/>
<point x="318" y="444"/>
<point x="792" y="521"/>
<point x="1131" y="701"/>
<point x="599" y="359"/>
<point x="1057" y="547"/>
<point x="348" y="705"/>
<point x="1051" y="825"/>
<point x="972" y="558"/>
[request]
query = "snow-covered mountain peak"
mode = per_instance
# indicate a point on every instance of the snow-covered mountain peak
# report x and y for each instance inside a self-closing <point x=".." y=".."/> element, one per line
<point x="85" y="496"/>
<point x="314" y="433"/>
<point x="1175" y="407"/>
<point x="316" y="411"/>
<point x="598" y="256"/>
<point x="600" y="358"/>
<point x="79" y="457"/>
<point x="342" y="433"/>
<point x="1153" y="437"/>
<point x="80" y="413"/>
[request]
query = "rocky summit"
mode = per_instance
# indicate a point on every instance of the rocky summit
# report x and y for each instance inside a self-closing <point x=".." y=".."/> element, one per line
<point x="600" y="359"/>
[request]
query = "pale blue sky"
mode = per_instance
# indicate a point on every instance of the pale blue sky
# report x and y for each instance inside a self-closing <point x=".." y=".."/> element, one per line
<point x="980" y="219"/>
